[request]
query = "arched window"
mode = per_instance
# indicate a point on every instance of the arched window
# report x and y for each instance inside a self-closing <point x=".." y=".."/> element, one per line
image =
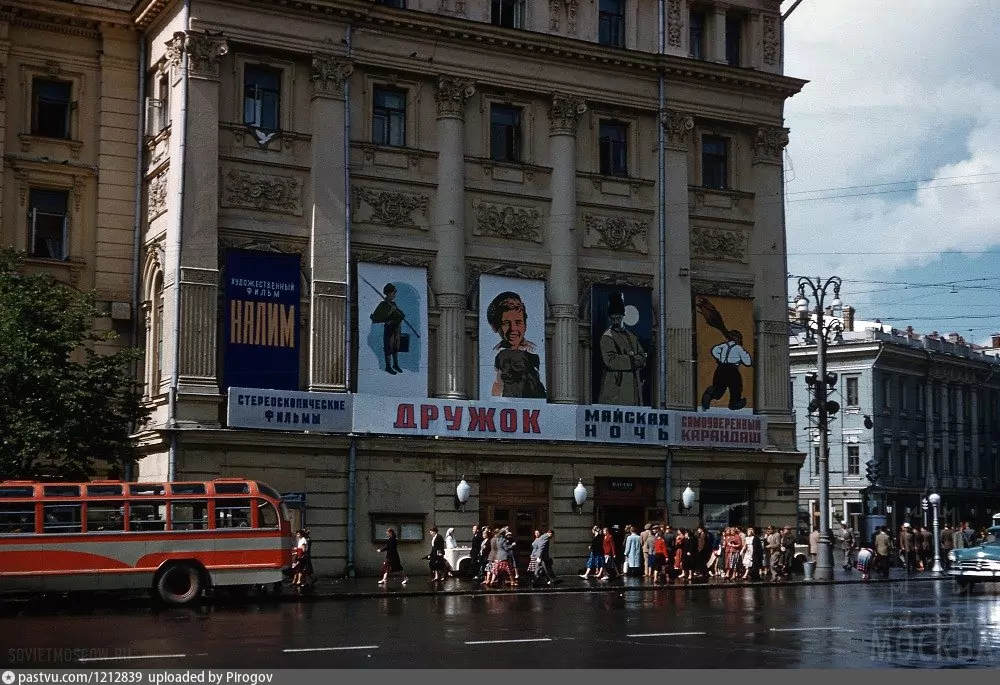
<point x="153" y="306"/>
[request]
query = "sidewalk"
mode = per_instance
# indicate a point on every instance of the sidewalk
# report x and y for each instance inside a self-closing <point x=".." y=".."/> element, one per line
<point x="420" y="586"/>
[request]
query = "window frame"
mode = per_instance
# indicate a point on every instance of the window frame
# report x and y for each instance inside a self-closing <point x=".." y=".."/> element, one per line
<point x="33" y="126"/>
<point x="611" y="169"/>
<point x="854" y="460"/>
<point x="518" y="156"/>
<point x="376" y="108"/>
<point x="852" y="384"/>
<point x="734" y="48"/>
<point x="698" y="31"/>
<point x="33" y="216"/>
<point x="616" y="23"/>
<point x="258" y="99"/>
<point x="726" y="160"/>
<point x="286" y="109"/>
<point x="382" y="520"/>
<point x="519" y="11"/>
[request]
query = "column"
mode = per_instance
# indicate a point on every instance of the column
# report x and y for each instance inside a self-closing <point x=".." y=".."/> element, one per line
<point x="946" y="454"/>
<point x="564" y="116"/>
<point x="199" y="262"/>
<point x="930" y="470"/>
<point x="768" y="250"/>
<point x="960" y="429"/>
<point x="450" y="286"/>
<point x="328" y="246"/>
<point x="679" y="393"/>
<point x="977" y="463"/>
<point x="717" y="35"/>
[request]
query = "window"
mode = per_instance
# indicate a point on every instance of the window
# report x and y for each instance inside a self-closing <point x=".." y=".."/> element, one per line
<point x="696" y="35"/>
<point x="61" y="490"/>
<point x="734" y="31"/>
<point x="189" y="515"/>
<point x="158" y="323"/>
<point x="105" y="516"/>
<point x="408" y="527"/>
<point x="232" y="513"/>
<point x="17" y="517"/>
<point x="17" y="491"/>
<point x="853" y="460"/>
<point x="920" y="397"/>
<point x="231" y="488"/>
<point x="267" y="515"/>
<point x="50" y="108"/>
<point x="886" y="393"/>
<point x="887" y="464"/>
<point x="614" y="148"/>
<point x="509" y="13"/>
<point x="714" y="162"/>
<point x="967" y="461"/>
<point x="505" y="133"/>
<point x="904" y="460"/>
<point x="187" y="488"/>
<point x="903" y="404"/>
<point x="48" y="223"/>
<point x="104" y="490"/>
<point x="261" y="97"/>
<point x="145" y="489"/>
<point x="389" y="117"/>
<point x="611" y="23"/>
<point x="851" y="385"/>
<point x="147" y="516"/>
<point x="63" y="518"/>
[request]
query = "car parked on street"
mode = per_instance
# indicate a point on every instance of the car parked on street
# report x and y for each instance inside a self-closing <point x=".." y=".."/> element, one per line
<point x="977" y="564"/>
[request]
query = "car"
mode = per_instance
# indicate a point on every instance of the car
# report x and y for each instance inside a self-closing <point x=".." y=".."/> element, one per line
<point x="981" y="563"/>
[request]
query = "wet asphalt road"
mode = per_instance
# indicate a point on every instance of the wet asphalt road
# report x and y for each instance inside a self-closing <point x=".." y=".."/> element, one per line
<point x="919" y="624"/>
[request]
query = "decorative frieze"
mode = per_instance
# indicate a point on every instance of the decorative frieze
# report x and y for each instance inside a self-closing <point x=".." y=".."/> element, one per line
<point x="511" y="222"/>
<point x="768" y="145"/>
<point x="559" y="8"/>
<point x="204" y="54"/>
<point x="616" y="233"/>
<point x="263" y="192"/>
<point x="393" y="258"/>
<point x="156" y="202"/>
<point x="719" y="244"/>
<point x="726" y="289"/>
<point x="678" y="126"/>
<point x="391" y="208"/>
<point x="772" y="40"/>
<point x="587" y="279"/>
<point x="329" y="75"/>
<point x="565" y="113"/>
<point x="675" y="24"/>
<point x="451" y="95"/>
<point x="475" y="269"/>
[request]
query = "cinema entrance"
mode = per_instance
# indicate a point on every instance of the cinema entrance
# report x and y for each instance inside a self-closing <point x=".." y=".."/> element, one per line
<point x="626" y="501"/>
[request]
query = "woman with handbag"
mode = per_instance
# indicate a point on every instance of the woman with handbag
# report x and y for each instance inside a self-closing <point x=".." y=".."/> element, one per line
<point x="391" y="564"/>
<point x="436" y="557"/>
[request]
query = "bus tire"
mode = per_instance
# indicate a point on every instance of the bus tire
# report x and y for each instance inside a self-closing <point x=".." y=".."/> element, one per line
<point x="179" y="583"/>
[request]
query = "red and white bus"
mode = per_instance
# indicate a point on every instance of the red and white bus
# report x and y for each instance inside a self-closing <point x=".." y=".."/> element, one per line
<point x="175" y="539"/>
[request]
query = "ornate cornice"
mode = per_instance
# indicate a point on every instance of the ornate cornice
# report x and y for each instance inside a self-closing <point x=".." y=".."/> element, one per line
<point x="204" y="54"/>
<point x="262" y="192"/>
<point x="768" y="144"/>
<point x="678" y="126"/>
<point x="392" y="257"/>
<point x="451" y="95"/>
<point x="565" y="112"/>
<point x="329" y="75"/>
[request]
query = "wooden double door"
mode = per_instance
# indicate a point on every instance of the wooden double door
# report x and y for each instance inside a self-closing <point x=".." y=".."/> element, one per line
<point x="520" y="503"/>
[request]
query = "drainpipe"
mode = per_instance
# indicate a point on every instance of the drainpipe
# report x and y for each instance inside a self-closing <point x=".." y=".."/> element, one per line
<point x="176" y="248"/>
<point x="662" y="231"/>
<point x="352" y="452"/>
<point x="136" y="221"/>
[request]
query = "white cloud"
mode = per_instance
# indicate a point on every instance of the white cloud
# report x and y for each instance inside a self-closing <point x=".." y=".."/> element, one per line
<point x="900" y="90"/>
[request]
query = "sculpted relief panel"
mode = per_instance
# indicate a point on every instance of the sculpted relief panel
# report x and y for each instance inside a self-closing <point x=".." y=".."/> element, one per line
<point x="262" y="192"/>
<point x="391" y="208"/>
<point x="617" y="233"/>
<point x="505" y="221"/>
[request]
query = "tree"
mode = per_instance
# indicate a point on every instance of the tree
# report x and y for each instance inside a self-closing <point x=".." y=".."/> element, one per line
<point x="64" y="407"/>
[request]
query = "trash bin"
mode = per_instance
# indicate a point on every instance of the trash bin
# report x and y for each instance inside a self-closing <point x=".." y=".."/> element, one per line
<point x="809" y="569"/>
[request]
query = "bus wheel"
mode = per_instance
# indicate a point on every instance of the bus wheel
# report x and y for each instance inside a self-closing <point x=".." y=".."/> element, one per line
<point x="178" y="584"/>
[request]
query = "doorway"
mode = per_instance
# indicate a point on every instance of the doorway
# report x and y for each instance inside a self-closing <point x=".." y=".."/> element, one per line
<point x="523" y="521"/>
<point x="621" y="516"/>
<point x="520" y="503"/>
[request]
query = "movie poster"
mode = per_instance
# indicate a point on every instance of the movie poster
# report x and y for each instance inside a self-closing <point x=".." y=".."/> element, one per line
<point x="511" y="339"/>
<point x="392" y="323"/>
<point x="724" y="335"/>
<point x="621" y="329"/>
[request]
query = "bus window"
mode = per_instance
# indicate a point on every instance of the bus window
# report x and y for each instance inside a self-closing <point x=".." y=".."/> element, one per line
<point x="145" y="489"/>
<point x="105" y="516"/>
<point x="145" y="516"/>
<point x="63" y="518"/>
<point x="62" y="490"/>
<point x="187" y="488"/>
<point x="17" y="492"/>
<point x="189" y="515"/>
<point x="267" y="490"/>
<point x="232" y="513"/>
<point x="231" y="488"/>
<point x="267" y="515"/>
<point x="104" y="491"/>
<point x="17" y="517"/>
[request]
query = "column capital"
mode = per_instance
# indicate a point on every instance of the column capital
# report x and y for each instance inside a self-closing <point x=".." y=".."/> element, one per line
<point x="678" y="127"/>
<point x="204" y="54"/>
<point x="451" y="95"/>
<point x="563" y="311"/>
<point x="768" y="144"/>
<point x="329" y="76"/>
<point x="565" y="112"/>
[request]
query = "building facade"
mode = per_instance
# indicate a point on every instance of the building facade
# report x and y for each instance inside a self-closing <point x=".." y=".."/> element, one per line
<point x="366" y="228"/>
<point x="934" y="409"/>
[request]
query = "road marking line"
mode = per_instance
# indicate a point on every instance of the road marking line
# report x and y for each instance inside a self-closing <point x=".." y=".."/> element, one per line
<point x="505" y="642"/>
<point x="802" y="630"/>
<point x="916" y="626"/>
<point x="132" y="658"/>
<point x="663" y="634"/>
<point x="328" y="649"/>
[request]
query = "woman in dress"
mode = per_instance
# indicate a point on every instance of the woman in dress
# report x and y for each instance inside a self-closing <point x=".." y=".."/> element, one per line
<point x="595" y="560"/>
<point x="391" y="564"/>
<point x="501" y="566"/>
<point x="436" y="557"/>
<point x="734" y="549"/>
<point x="659" y="558"/>
<point x="864" y="562"/>
<point x="680" y="552"/>
<point x="752" y="554"/>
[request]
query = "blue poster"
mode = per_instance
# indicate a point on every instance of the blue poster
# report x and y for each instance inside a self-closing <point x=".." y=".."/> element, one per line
<point x="621" y="327"/>
<point x="262" y="338"/>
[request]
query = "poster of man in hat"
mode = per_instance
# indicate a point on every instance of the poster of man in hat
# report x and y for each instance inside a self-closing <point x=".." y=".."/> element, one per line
<point x="622" y="322"/>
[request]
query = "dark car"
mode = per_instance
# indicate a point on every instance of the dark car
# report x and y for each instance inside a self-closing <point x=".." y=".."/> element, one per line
<point x="981" y="563"/>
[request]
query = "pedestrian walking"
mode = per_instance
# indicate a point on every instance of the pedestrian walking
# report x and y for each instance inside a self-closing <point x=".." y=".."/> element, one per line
<point x="648" y="543"/>
<point x="814" y="544"/>
<point x="391" y="564"/>
<point x="947" y="544"/>
<point x="474" y="552"/>
<point x="541" y="562"/>
<point x="436" y="560"/>
<point x="864" y="562"/>
<point x="608" y="547"/>
<point x="753" y="551"/>
<point x="847" y="543"/>
<point x="883" y="548"/>
<point x="302" y="570"/>
<point x="595" y="559"/>
<point x="632" y="566"/>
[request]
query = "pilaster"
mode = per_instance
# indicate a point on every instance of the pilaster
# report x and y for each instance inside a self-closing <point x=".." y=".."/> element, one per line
<point x="769" y="272"/>
<point x="328" y="225"/>
<point x="564" y="115"/>
<point x="452" y="95"/>
<point x="946" y="450"/>
<point x="977" y="465"/>
<point x="717" y="35"/>
<point x="680" y="392"/>
<point x="930" y="465"/>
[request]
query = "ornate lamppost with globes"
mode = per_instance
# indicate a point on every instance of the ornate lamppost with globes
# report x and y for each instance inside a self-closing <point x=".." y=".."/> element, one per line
<point x="935" y="501"/>
<point x="817" y="323"/>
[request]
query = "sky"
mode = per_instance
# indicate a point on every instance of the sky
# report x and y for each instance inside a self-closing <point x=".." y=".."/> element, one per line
<point x="893" y="169"/>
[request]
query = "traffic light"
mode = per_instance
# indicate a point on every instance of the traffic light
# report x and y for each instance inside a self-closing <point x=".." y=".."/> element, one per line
<point x="871" y="471"/>
<point x="831" y="379"/>
<point x="811" y="379"/>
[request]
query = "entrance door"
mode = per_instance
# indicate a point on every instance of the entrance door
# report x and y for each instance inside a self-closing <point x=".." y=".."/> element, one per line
<point x="523" y="520"/>
<point x="614" y="515"/>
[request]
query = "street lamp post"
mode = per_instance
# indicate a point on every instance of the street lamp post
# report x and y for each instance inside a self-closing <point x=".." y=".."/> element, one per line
<point x="822" y="328"/>
<point x="935" y="501"/>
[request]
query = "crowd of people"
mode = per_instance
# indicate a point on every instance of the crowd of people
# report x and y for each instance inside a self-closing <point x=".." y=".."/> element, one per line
<point x="912" y="548"/>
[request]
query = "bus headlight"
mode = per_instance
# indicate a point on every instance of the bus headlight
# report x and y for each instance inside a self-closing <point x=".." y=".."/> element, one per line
<point x="952" y="556"/>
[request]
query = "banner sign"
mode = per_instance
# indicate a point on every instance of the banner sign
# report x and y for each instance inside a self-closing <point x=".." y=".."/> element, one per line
<point x="262" y="336"/>
<point x="728" y="430"/>
<point x="624" y="425"/>
<point x="287" y="410"/>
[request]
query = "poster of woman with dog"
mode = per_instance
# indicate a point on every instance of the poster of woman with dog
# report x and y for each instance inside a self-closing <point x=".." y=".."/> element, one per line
<point x="511" y="338"/>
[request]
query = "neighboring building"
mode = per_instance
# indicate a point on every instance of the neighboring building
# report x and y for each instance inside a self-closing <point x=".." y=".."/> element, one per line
<point x="69" y="74"/>
<point x="378" y="206"/>
<point x="934" y="405"/>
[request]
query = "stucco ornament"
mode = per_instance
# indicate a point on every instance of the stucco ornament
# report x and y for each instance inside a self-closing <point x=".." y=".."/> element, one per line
<point x="768" y="145"/>
<point x="516" y="223"/>
<point x="329" y="75"/>
<point x="452" y="93"/>
<point x="263" y="192"/>
<point x="618" y="233"/>
<point x="565" y="112"/>
<point x="711" y="243"/>
<point x="392" y="208"/>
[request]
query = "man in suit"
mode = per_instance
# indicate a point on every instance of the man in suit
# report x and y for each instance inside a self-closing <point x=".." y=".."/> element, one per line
<point x="540" y="551"/>
<point x="477" y="546"/>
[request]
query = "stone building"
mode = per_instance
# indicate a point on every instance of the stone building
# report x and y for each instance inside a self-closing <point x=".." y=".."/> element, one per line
<point x="332" y="191"/>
